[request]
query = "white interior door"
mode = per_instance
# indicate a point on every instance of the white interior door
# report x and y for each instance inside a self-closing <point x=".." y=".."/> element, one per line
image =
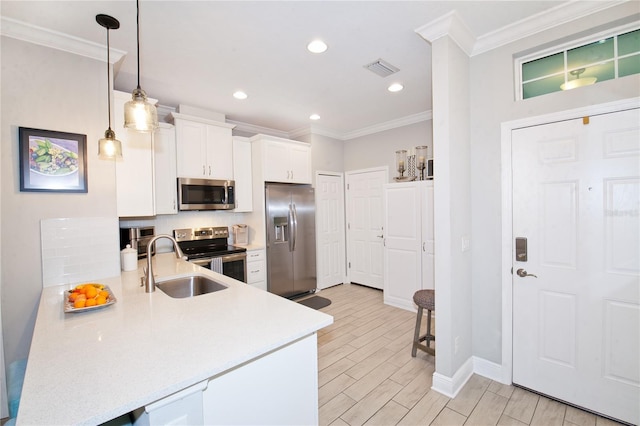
<point x="576" y="323"/>
<point x="330" y="235"/>
<point x="364" y="226"/>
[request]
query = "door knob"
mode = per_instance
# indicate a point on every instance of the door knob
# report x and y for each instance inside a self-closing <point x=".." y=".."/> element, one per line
<point x="522" y="273"/>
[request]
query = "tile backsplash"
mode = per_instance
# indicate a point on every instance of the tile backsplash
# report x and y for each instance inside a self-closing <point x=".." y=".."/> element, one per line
<point x="79" y="249"/>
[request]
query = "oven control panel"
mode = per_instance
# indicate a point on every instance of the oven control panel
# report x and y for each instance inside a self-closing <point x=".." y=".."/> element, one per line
<point x="194" y="234"/>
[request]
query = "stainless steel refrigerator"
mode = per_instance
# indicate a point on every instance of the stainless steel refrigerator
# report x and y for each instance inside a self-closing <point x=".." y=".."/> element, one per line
<point x="291" y="239"/>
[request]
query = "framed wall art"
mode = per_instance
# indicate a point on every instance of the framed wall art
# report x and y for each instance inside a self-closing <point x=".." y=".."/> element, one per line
<point x="52" y="161"/>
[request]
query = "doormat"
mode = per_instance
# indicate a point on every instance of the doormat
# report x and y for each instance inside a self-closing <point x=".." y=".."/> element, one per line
<point x="315" y="302"/>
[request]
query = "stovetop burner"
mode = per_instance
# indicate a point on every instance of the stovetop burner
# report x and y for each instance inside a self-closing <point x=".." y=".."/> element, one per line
<point x="199" y="243"/>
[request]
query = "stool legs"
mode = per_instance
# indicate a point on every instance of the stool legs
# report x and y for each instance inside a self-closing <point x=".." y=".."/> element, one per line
<point x="427" y="338"/>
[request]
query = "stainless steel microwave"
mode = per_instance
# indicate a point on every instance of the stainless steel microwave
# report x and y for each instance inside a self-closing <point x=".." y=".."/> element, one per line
<point x="206" y="194"/>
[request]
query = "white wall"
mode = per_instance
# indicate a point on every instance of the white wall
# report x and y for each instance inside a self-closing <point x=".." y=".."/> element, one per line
<point x="327" y="154"/>
<point x="492" y="102"/>
<point x="54" y="90"/>
<point x="379" y="149"/>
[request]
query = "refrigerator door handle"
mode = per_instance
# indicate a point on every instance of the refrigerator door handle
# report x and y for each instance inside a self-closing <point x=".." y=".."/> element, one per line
<point x="294" y="231"/>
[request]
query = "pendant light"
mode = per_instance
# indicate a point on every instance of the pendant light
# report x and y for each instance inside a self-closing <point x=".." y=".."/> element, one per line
<point x="139" y="114"/>
<point x="109" y="147"/>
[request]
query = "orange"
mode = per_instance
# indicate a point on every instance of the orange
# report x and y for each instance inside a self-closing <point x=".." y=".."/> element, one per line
<point x="79" y="303"/>
<point x="90" y="302"/>
<point x="104" y="294"/>
<point x="90" y="291"/>
<point x="73" y="296"/>
<point x="100" y="300"/>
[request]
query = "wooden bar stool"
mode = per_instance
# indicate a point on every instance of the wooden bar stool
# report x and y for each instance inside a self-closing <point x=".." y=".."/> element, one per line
<point x="425" y="299"/>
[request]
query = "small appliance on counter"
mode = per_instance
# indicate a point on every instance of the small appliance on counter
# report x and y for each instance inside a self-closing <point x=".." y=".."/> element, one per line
<point x="241" y="234"/>
<point x="138" y="237"/>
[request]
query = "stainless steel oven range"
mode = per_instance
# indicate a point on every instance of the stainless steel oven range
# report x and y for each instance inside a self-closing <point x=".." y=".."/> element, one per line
<point x="208" y="248"/>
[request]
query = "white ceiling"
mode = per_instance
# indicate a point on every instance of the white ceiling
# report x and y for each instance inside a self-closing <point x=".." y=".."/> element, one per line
<point x="198" y="53"/>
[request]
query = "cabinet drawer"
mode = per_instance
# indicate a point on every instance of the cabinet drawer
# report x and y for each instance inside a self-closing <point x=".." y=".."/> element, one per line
<point x="255" y="255"/>
<point x="255" y="271"/>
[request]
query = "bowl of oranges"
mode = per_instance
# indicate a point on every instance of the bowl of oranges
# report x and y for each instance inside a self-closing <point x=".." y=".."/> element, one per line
<point x="84" y="297"/>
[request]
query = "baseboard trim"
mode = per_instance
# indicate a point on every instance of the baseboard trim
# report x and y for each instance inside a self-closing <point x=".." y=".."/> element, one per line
<point x="488" y="369"/>
<point x="450" y="386"/>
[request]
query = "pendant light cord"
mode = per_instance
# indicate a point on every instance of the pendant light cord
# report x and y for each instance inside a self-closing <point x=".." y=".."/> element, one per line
<point x="138" y="37"/>
<point x="108" y="80"/>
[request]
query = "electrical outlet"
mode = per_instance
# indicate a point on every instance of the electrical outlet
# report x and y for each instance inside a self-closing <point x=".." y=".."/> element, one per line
<point x="466" y="243"/>
<point x="456" y="344"/>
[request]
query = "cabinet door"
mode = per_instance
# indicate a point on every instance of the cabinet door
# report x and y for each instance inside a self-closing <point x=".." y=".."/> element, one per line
<point x="164" y="151"/>
<point x="191" y="152"/>
<point x="134" y="173"/>
<point x="276" y="162"/>
<point x="242" y="174"/>
<point x="219" y="153"/>
<point x="403" y="238"/>
<point x="300" y="163"/>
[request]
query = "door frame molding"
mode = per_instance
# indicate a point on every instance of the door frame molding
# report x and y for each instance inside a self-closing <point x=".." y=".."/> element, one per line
<point x="347" y="206"/>
<point x="506" y="128"/>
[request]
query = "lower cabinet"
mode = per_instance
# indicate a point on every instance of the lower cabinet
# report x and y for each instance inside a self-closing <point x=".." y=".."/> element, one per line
<point x="408" y="242"/>
<point x="256" y="269"/>
<point x="280" y="388"/>
<point x="181" y="408"/>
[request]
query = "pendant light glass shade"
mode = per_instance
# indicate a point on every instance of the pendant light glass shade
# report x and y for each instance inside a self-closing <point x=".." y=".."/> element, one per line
<point x="109" y="147"/>
<point x="139" y="114"/>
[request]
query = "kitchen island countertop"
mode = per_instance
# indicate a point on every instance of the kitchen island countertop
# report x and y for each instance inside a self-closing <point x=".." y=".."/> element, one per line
<point x="90" y="367"/>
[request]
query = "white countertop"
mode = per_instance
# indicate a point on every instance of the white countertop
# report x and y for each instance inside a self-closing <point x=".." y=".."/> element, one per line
<point x="90" y="367"/>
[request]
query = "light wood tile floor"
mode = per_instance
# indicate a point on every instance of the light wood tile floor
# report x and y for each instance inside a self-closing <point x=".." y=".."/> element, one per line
<point x="367" y="375"/>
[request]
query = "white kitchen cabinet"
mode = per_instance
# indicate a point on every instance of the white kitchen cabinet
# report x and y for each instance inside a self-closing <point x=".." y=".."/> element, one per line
<point x="256" y="269"/>
<point x="135" y="194"/>
<point x="280" y="388"/>
<point x="408" y="242"/>
<point x="181" y="408"/>
<point x="283" y="160"/>
<point x="242" y="174"/>
<point x="204" y="148"/>
<point x="164" y="157"/>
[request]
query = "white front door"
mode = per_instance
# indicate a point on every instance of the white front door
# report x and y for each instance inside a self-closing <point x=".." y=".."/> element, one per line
<point x="330" y="229"/>
<point x="364" y="226"/>
<point x="576" y="317"/>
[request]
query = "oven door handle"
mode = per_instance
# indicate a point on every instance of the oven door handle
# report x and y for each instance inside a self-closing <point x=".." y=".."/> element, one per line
<point x="201" y="262"/>
<point x="233" y="257"/>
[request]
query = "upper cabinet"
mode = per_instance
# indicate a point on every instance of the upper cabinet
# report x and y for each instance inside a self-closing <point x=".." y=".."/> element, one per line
<point x="204" y="148"/>
<point x="135" y="171"/>
<point x="242" y="174"/>
<point x="282" y="160"/>
<point x="164" y="157"/>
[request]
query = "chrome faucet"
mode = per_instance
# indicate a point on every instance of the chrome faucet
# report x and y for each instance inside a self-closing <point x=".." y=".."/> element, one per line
<point x="149" y="281"/>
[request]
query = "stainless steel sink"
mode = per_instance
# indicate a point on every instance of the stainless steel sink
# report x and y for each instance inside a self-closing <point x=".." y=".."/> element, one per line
<point x="191" y="286"/>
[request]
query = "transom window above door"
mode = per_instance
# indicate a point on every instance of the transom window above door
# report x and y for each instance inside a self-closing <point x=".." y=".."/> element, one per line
<point x="590" y="61"/>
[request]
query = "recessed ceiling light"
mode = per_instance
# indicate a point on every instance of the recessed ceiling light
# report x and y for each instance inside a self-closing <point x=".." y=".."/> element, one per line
<point x="240" y="95"/>
<point x="314" y="117"/>
<point x="395" y="87"/>
<point x="317" y="46"/>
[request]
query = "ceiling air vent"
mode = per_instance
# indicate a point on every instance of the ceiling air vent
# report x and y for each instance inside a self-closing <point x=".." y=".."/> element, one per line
<point x="382" y="68"/>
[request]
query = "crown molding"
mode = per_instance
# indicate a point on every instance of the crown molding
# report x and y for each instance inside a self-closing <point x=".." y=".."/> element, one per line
<point x="315" y="130"/>
<point x="452" y="25"/>
<point x="559" y="15"/>
<point x="252" y="128"/>
<point x="56" y="40"/>
<point x="388" y="125"/>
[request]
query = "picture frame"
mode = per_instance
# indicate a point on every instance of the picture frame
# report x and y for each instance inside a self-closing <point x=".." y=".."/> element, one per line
<point x="52" y="161"/>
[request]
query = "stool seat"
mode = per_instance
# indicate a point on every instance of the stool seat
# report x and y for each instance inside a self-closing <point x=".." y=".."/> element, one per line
<point x="425" y="299"/>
